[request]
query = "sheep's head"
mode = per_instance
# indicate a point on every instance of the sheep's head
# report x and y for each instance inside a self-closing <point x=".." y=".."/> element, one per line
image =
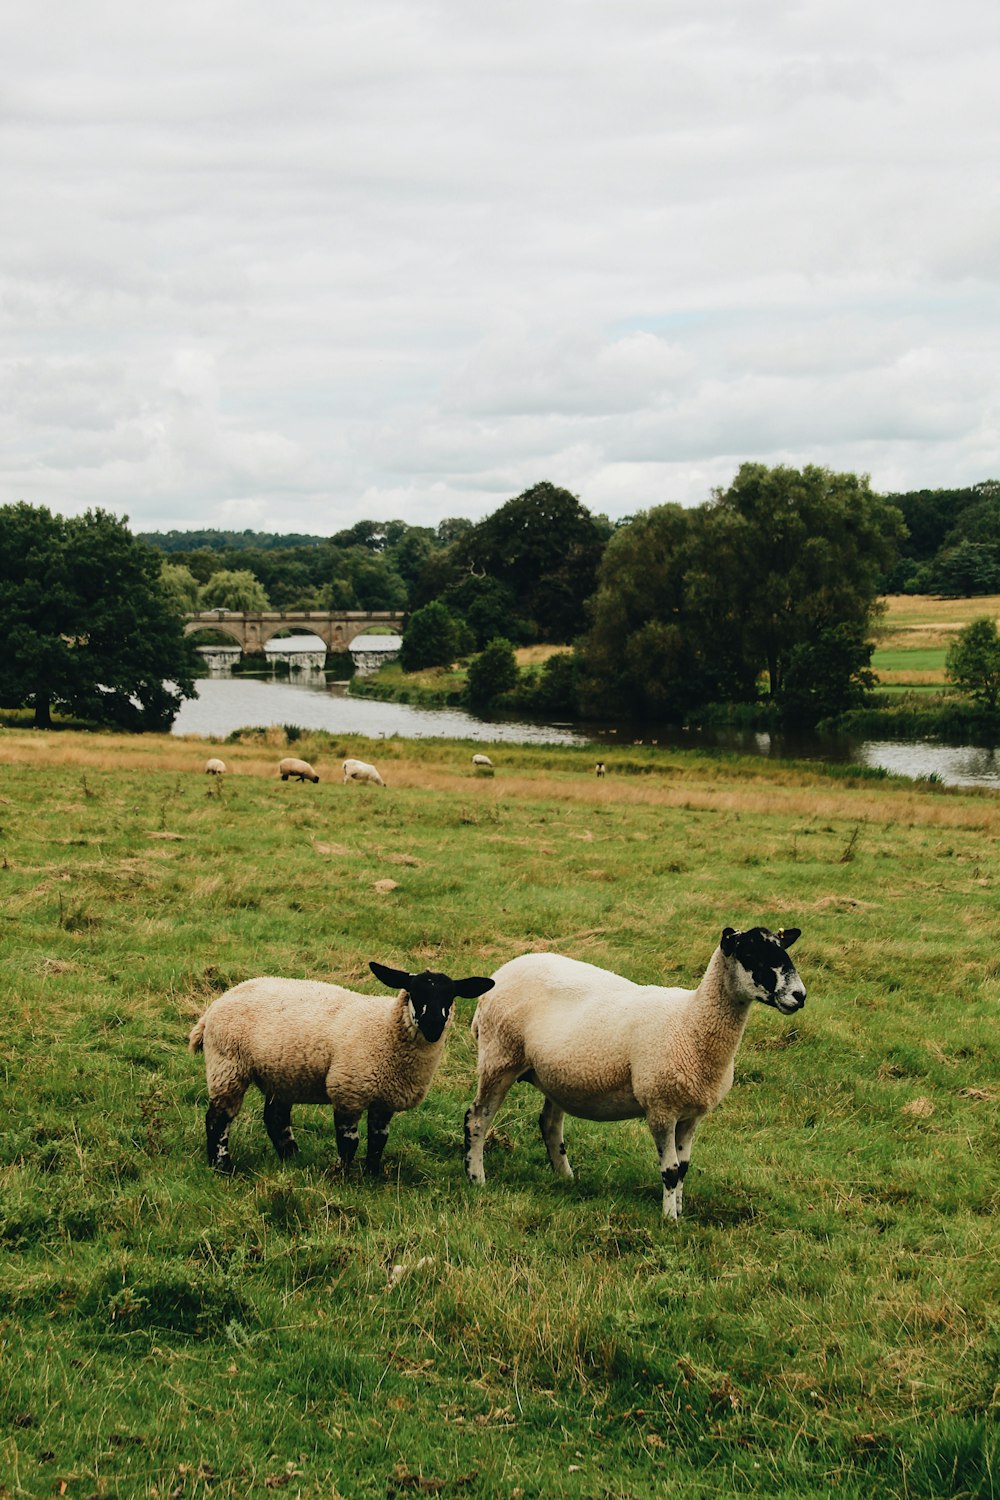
<point x="763" y="970"/>
<point x="430" y="996"/>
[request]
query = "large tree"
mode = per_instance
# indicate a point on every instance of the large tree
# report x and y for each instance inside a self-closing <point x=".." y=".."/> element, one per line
<point x="811" y="548"/>
<point x="86" y="624"/>
<point x="234" y="588"/>
<point x="546" y="547"/>
<point x="702" y="605"/>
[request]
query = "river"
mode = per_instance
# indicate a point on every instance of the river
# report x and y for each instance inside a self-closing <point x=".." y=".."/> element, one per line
<point x="225" y="703"/>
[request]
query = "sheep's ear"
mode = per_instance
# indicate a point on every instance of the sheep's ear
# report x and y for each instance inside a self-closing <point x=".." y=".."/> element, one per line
<point x="471" y="989"/>
<point x="787" y="935"/>
<point x="396" y="979"/>
<point x="728" y="941"/>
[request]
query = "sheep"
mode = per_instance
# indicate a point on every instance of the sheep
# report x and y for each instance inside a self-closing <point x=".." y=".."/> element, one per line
<point x="215" y="767"/>
<point x="300" y="768"/>
<point x="360" y="770"/>
<point x="599" y="769"/>
<point x="603" y="1048"/>
<point x="482" y="760"/>
<point x="304" y="1042"/>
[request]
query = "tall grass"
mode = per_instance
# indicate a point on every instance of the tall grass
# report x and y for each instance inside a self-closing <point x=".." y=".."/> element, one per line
<point x="823" y="1319"/>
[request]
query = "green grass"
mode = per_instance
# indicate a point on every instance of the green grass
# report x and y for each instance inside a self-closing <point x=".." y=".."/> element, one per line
<point x="825" y="1316"/>
<point x="902" y="659"/>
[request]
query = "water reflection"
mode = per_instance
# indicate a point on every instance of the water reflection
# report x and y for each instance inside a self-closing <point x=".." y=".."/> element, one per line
<point x="225" y="703"/>
<point x="955" y="765"/>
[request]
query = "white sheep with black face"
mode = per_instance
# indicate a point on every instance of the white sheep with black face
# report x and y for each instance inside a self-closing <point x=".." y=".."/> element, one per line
<point x="298" y="770"/>
<point x="603" y="1048"/>
<point x="301" y="1041"/>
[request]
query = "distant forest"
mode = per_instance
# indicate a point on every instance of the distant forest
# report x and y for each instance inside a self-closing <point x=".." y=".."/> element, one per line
<point x="529" y="568"/>
<point x="772" y="581"/>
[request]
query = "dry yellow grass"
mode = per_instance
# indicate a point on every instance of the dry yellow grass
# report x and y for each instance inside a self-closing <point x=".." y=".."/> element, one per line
<point x="675" y="783"/>
<point x="889" y="678"/>
<point x="922" y="620"/>
<point x="534" y="656"/>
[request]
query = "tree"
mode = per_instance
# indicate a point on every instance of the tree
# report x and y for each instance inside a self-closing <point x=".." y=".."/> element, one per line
<point x="812" y="548"/>
<point x="973" y="662"/>
<point x="431" y="638"/>
<point x="966" y="569"/>
<point x="708" y="605"/>
<point x="487" y="606"/>
<point x="648" y="655"/>
<point x="827" y="675"/>
<point x="491" y="674"/>
<point x="546" y="547"/>
<point x="234" y="588"/>
<point x="180" y="586"/>
<point x="87" y="625"/>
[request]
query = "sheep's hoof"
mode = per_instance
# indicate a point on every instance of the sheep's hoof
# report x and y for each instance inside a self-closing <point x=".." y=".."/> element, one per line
<point x="224" y="1165"/>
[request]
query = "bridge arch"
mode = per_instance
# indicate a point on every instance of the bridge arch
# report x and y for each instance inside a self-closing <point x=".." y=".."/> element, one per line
<point x="252" y="629"/>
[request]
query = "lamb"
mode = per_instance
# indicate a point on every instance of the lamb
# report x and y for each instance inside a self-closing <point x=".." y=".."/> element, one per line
<point x="299" y="768"/>
<point x="360" y="770"/>
<point x="215" y="767"/>
<point x="304" y="1042"/>
<point x="603" y="1048"/>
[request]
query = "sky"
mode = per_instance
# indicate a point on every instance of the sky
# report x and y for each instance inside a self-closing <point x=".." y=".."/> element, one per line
<point x="287" y="267"/>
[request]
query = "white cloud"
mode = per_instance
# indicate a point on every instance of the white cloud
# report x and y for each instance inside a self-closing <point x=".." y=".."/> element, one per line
<point x="311" y="265"/>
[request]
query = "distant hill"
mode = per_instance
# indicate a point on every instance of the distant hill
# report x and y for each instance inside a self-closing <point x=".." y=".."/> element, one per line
<point x="228" y="541"/>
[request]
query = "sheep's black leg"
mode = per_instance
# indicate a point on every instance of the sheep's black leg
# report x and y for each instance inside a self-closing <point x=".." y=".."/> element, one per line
<point x="550" y="1122"/>
<point x="278" y="1120"/>
<point x="217" y="1123"/>
<point x="347" y="1135"/>
<point x="664" y="1139"/>
<point x="684" y="1137"/>
<point x="378" y="1133"/>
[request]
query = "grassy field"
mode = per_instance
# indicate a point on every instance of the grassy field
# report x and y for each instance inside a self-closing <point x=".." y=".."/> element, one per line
<point x="917" y="631"/>
<point x="825" y="1318"/>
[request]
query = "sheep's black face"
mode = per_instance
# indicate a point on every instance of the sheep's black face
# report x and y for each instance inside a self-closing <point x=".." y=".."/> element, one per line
<point x="431" y="995"/>
<point x="431" y="998"/>
<point x="767" y="973"/>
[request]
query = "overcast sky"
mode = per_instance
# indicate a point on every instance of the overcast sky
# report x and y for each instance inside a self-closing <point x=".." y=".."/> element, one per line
<point x="287" y="266"/>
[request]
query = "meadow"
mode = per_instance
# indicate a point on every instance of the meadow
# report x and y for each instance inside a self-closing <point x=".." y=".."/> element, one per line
<point x="825" y="1317"/>
<point x="917" y="630"/>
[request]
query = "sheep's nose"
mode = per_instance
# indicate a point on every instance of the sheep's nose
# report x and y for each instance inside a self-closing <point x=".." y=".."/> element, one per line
<point x="798" y="995"/>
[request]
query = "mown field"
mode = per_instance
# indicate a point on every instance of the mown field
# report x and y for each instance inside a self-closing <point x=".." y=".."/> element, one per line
<point x="917" y="631"/>
<point x="825" y="1318"/>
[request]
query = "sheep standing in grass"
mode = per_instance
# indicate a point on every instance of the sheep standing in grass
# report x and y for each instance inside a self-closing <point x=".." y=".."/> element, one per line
<point x="603" y="1048"/>
<point x="301" y="769"/>
<point x="304" y="1042"/>
<point x="215" y="767"/>
<point x="482" y="761"/>
<point x="360" y="770"/>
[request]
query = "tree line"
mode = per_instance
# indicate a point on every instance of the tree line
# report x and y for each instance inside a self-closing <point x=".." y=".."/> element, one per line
<point x="766" y="593"/>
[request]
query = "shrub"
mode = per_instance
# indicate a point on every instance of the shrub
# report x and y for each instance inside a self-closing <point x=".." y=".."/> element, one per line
<point x="491" y="674"/>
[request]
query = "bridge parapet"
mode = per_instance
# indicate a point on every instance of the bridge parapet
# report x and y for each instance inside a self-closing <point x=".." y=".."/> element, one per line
<point x="252" y="629"/>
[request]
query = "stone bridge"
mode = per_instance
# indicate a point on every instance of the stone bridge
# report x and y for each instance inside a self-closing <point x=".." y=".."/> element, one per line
<point x="252" y="629"/>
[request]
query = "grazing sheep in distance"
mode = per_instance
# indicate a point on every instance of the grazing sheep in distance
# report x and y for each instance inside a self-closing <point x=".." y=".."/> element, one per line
<point x="290" y="766"/>
<point x="482" y="760"/>
<point x="603" y="1048"/>
<point x="304" y="1042"/>
<point x="599" y="769"/>
<point x="360" y="770"/>
<point x="215" y="766"/>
